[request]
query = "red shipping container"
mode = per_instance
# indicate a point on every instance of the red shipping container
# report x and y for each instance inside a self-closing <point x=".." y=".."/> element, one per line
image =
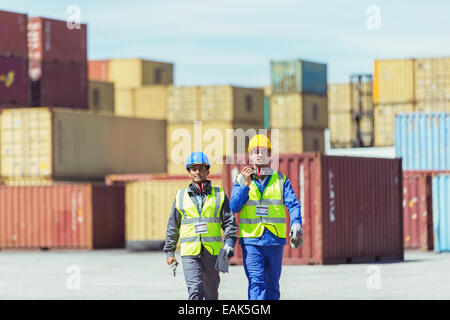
<point x="351" y="208"/>
<point x="120" y="179"/>
<point x="98" y="70"/>
<point x="13" y="34"/>
<point x="417" y="210"/>
<point x="62" y="216"/>
<point x="56" y="41"/>
<point x="14" y="82"/>
<point x="59" y="84"/>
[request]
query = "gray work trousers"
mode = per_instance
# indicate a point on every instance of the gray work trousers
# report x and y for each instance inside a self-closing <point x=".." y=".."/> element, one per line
<point x="202" y="278"/>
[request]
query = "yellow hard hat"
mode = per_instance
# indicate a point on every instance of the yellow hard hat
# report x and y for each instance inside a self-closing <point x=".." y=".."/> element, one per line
<point x="258" y="141"/>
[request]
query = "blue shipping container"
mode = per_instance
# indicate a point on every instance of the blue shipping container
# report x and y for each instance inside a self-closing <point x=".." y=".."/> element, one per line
<point x="266" y="112"/>
<point x="441" y="212"/>
<point x="298" y="76"/>
<point x="422" y="140"/>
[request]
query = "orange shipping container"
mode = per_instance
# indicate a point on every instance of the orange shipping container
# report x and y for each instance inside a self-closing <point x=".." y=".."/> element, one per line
<point x="62" y="216"/>
<point x="98" y="70"/>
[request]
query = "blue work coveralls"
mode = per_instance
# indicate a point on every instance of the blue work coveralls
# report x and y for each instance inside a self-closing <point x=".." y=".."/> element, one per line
<point x="263" y="256"/>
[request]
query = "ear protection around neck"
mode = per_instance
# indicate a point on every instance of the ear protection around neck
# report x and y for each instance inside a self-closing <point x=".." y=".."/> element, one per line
<point x="204" y="187"/>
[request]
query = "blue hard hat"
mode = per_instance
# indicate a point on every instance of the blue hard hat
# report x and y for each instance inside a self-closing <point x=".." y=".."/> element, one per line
<point x="197" y="157"/>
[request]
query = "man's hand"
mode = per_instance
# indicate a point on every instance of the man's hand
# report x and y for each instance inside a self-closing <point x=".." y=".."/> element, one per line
<point x="247" y="171"/>
<point x="296" y="235"/>
<point x="229" y="251"/>
<point x="171" y="261"/>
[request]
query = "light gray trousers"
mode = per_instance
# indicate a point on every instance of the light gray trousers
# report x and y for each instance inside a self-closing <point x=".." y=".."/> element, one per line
<point x="202" y="278"/>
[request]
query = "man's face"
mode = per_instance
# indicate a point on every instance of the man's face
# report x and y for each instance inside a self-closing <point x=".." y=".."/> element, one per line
<point x="260" y="156"/>
<point x="198" y="173"/>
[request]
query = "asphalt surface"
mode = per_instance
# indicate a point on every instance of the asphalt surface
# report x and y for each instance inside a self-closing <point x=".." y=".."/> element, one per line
<point x="119" y="274"/>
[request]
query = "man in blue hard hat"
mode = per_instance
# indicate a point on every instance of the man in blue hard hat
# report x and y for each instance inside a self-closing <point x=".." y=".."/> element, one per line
<point x="199" y="213"/>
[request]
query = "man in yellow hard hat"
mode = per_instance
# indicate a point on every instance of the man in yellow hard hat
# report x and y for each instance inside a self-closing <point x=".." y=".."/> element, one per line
<point x="261" y="194"/>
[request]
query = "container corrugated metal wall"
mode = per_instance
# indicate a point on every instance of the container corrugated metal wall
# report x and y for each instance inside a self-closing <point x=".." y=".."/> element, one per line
<point x="351" y="208"/>
<point x="98" y="70"/>
<point x="266" y="112"/>
<point x="298" y="76"/>
<point x="101" y="96"/>
<point x="13" y="34"/>
<point x="384" y="122"/>
<point x="151" y="102"/>
<point x="61" y="144"/>
<point x="423" y="140"/>
<point x="14" y="81"/>
<point x="441" y="212"/>
<point x="62" y="216"/>
<point x="417" y="210"/>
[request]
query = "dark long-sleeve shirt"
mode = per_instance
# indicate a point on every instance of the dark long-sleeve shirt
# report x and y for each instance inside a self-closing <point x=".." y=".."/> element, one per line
<point x="227" y="219"/>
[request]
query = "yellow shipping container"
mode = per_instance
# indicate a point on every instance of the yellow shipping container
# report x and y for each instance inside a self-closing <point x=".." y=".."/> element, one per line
<point x="384" y="117"/>
<point x="133" y="73"/>
<point x="63" y="144"/>
<point x="296" y="111"/>
<point x="125" y="102"/>
<point x="148" y="205"/>
<point x="151" y="102"/>
<point x="211" y="138"/>
<point x="229" y="103"/>
<point x="433" y="82"/>
<point x="394" y="81"/>
<point x="183" y="104"/>
<point x="301" y="140"/>
<point x="267" y="91"/>
<point x="101" y="96"/>
<point x="343" y="130"/>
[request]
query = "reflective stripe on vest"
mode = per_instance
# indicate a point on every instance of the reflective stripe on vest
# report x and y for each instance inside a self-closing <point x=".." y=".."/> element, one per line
<point x="251" y="225"/>
<point x="191" y="242"/>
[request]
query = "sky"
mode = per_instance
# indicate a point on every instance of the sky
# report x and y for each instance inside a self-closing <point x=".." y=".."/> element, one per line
<point x="232" y="42"/>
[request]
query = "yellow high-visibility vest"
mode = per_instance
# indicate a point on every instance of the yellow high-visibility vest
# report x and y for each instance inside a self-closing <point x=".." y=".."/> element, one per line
<point x="191" y="241"/>
<point x="250" y="224"/>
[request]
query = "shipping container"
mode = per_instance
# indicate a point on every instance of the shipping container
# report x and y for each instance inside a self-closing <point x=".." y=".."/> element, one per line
<point x="343" y="129"/>
<point x="216" y="139"/>
<point x="62" y="216"/>
<point x="267" y="112"/>
<point x="148" y="206"/>
<point x="151" y="102"/>
<point x="301" y="140"/>
<point x="183" y="104"/>
<point x="394" y="81"/>
<point x="384" y="118"/>
<point x="101" y="96"/>
<point x="62" y="144"/>
<point x="13" y="34"/>
<point x="59" y="84"/>
<point x="124" y="102"/>
<point x="343" y="97"/>
<point x="98" y="70"/>
<point x="441" y="212"/>
<point x="14" y="81"/>
<point x="230" y="103"/>
<point x="422" y="140"/>
<point x="133" y="73"/>
<point x="296" y="111"/>
<point x="417" y="210"/>
<point x="351" y="208"/>
<point x="57" y="40"/>
<point x="267" y="91"/>
<point x="432" y="76"/>
<point x="298" y="76"/>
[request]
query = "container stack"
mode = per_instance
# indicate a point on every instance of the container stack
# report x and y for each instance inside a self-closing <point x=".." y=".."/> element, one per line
<point x="220" y="111"/>
<point x="58" y="63"/>
<point x="298" y="105"/>
<point x="350" y="114"/>
<point x="407" y="85"/>
<point x="140" y="85"/>
<point x="14" y="81"/>
<point x="267" y="95"/>
<point x="422" y="140"/>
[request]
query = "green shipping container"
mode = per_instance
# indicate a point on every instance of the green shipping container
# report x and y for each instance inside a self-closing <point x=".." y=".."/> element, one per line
<point x="298" y="76"/>
<point x="266" y="112"/>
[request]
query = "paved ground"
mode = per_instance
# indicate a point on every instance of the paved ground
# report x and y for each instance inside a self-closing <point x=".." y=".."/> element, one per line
<point x="119" y="274"/>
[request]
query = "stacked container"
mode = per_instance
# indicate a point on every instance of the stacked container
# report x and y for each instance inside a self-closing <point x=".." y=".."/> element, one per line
<point x="350" y="126"/>
<point x="227" y="117"/>
<point x="141" y="86"/>
<point x="101" y="96"/>
<point x="298" y="105"/>
<point x="14" y="81"/>
<point x="407" y="85"/>
<point x="423" y="141"/>
<point x="57" y="53"/>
